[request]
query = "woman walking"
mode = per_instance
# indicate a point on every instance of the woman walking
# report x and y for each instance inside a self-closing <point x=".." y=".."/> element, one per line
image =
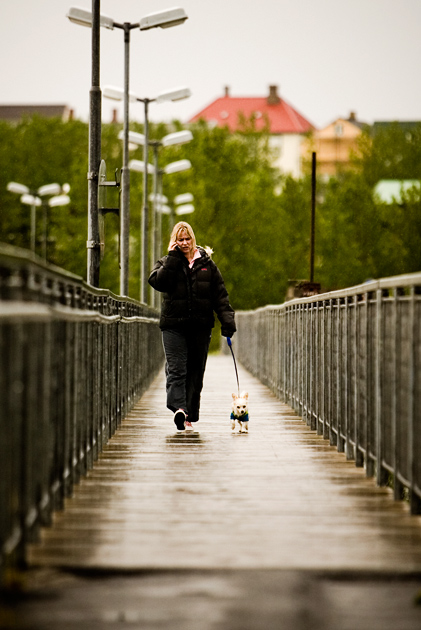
<point x="193" y="290"/>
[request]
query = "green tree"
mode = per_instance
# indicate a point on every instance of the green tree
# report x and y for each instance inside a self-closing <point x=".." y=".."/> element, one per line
<point x="348" y="231"/>
<point x="41" y="151"/>
<point x="233" y="184"/>
<point x="389" y="152"/>
<point x="232" y="181"/>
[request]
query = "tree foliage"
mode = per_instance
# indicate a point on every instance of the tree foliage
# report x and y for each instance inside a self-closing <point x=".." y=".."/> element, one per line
<point x="257" y="222"/>
<point x="392" y="151"/>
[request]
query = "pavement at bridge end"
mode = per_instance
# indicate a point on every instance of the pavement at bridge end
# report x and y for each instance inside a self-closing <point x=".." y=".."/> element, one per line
<point x="212" y="600"/>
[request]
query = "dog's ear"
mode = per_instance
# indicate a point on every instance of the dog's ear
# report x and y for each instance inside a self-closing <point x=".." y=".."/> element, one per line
<point x="245" y="395"/>
<point x="234" y="397"/>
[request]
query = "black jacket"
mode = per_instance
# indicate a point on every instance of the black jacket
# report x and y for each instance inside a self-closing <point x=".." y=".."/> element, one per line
<point x="192" y="295"/>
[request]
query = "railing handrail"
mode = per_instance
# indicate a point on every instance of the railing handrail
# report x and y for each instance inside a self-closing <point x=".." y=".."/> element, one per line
<point x="371" y="286"/>
<point x="74" y="361"/>
<point x="23" y="258"/>
<point x="349" y="363"/>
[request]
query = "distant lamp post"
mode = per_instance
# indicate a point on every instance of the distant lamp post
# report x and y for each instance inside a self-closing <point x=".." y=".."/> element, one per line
<point x="33" y="198"/>
<point x="169" y="95"/>
<point x="161" y="19"/>
<point x="183" y="198"/>
<point x="139" y="166"/>
<point x="186" y="208"/>
<point x="171" y="139"/>
<point x="178" y="137"/>
<point x="53" y="202"/>
<point x="177" y="167"/>
<point x="183" y="204"/>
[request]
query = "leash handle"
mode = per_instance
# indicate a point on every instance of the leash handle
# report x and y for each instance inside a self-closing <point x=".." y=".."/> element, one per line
<point x="229" y="342"/>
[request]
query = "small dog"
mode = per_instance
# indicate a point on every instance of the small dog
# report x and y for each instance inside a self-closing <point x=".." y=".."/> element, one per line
<point x="240" y="412"/>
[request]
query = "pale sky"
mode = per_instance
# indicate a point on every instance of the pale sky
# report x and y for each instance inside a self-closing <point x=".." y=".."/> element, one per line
<point x="328" y="57"/>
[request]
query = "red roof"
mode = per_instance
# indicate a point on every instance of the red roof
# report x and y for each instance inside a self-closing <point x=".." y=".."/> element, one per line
<point x="280" y="115"/>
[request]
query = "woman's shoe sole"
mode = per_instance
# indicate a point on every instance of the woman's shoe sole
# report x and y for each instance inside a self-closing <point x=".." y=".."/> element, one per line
<point x="179" y="418"/>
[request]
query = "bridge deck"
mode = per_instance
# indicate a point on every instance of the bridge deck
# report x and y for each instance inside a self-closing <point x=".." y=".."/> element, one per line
<point x="278" y="497"/>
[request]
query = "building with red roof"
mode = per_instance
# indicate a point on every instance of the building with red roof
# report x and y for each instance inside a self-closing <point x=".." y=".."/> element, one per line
<point x="287" y="127"/>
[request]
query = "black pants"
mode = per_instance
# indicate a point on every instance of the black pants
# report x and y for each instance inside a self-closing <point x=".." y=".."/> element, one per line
<point x="186" y="352"/>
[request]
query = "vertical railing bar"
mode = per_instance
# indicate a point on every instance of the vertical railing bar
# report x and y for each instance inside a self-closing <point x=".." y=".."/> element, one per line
<point x="326" y="366"/>
<point x="397" y="486"/>
<point x="369" y="415"/>
<point x="413" y="438"/>
<point x="382" y="475"/>
<point x="359" y="459"/>
<point x="54" y="390"/>
<point x="331" y="374"/>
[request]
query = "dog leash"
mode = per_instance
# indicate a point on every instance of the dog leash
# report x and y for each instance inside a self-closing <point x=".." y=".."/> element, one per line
<point x="229" y="342"/>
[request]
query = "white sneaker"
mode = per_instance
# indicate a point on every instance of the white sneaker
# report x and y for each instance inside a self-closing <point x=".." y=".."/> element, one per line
<point x="188" y="426"/>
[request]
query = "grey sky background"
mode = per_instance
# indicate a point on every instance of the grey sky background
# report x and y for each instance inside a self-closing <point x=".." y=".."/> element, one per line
<point x="328" y="57"/>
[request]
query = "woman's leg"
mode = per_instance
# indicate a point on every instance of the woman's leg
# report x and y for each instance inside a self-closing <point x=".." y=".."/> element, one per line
<point x="175" y="347"/>
<point x="197" y="347"/>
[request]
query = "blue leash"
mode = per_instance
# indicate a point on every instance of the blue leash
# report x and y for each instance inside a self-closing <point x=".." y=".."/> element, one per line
<point x="229" y="342"/>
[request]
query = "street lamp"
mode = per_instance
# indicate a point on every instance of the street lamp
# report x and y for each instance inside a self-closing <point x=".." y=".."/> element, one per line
<point x="174" y="167"/>
<point x="169" y="95"/>
<point x="178" y="137"/>
<point x="31" y="198"/>
<point x="161" y="19"/>
<point x="186" y="208"/>
<point x="171" y="139"/>
<point x="177" y="167"/>
<point x="183" y="198"/>
<point x="183" y="204"/>
<point x="53" y="202"/>
<point x="139" y="166"/>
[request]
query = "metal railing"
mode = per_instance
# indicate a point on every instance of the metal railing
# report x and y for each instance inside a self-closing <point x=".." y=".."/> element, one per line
<point x="73" y="361"/>
<point x="349" y="363"/>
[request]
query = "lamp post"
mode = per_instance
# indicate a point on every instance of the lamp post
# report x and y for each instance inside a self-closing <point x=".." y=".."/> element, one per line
<point x="183" y="204"/>
<point x="178" y="137"/>
<point x="137" y="165"/>
<point x="174" y="167"/>
<point x="161" y="19"/>
<point x="117" y="94"/>
<point x="32" y="198"/>
<point x="60" y="200"/>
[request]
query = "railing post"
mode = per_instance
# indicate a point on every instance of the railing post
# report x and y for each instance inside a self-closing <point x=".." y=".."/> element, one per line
<point x="382" y="475"/>
<point x="414" y="427"/>
<point x="58" y="396"/>
<point x="349" y="362"/>
<point x="397" y="486"/>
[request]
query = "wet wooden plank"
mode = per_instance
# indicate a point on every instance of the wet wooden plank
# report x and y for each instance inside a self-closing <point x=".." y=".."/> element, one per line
<point x="278" y="497"/>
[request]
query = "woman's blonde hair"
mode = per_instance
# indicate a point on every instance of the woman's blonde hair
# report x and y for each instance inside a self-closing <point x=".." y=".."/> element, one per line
<point x="179" y="227"/>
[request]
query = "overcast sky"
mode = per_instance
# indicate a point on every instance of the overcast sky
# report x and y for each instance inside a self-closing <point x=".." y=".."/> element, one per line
<point x="328" y="57"/>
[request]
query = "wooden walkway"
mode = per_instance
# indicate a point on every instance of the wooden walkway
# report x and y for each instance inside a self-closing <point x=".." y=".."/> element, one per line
<point x="278" y="497"/>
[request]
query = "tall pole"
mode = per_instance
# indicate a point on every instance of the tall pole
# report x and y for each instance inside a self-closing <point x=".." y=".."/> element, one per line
<point x="313" y="213"/>
<point x="33" y="225"/>
<point x="145" y="214"/>
<point x="155" y="213"/>
<point x="93" y="244"/>
<point x="125" y="174"/>
<point x="44" y="230"/>
<point x="160" y="193"/>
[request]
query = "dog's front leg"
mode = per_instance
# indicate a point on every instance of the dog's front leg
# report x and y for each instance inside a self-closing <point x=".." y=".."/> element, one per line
<point x="233" y="424"/>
